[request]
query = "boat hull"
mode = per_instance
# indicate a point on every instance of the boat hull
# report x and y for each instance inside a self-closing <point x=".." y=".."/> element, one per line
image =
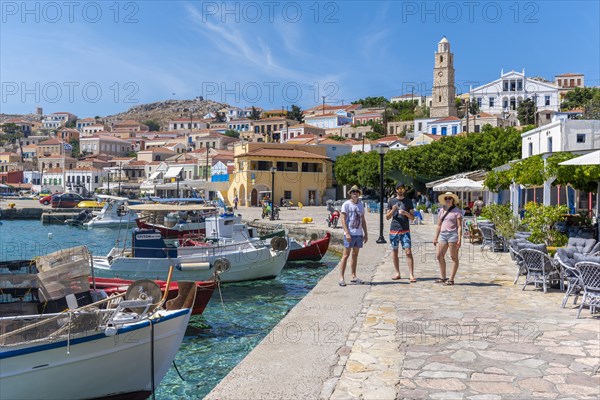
<point x="204" y="290"/>
<point x="246" y="264"/>
<point x="94" y="365"/>
<point x="313" y="252"/>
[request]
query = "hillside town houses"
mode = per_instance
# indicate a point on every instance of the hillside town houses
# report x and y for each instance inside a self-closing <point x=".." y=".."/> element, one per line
<point x="239" y="151"/>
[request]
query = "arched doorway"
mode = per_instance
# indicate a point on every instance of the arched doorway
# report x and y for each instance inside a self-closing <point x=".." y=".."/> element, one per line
<point x="242" y="196"/>
<point x="256" y="196"/>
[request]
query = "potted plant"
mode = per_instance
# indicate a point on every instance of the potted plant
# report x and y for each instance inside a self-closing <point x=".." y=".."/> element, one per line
<point x="540" y="219"/>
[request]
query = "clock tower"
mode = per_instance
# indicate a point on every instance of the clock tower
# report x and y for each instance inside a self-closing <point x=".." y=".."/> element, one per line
<point x="443" y="92"/>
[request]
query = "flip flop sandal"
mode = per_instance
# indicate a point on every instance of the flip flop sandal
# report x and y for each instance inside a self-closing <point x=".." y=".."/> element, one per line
<point x="448" y="283"/>
<point x="396" y="277"/>
<point x="413" y="281"/>
<point x="441" y="280"/>
<point x="342" y="283"/>
<point x="358" y="281"/>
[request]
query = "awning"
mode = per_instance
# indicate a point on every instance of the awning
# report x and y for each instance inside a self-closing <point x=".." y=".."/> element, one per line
<point x="155" y="175"/>
<point x="173" y="172"/>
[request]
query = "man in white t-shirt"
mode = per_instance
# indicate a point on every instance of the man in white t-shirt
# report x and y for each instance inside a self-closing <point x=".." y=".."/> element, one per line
<point x="355" y="233"/>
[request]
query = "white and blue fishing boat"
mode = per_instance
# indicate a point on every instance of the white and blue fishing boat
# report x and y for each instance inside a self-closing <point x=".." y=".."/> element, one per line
<point x="230" y="249"/>
<point x="119" y="346"/>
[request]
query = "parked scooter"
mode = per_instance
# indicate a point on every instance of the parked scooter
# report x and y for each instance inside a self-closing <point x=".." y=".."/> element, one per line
<point x="334" y="215"/>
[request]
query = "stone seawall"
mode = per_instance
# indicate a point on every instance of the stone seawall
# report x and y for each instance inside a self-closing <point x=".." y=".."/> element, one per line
<point x="21" y="213"/>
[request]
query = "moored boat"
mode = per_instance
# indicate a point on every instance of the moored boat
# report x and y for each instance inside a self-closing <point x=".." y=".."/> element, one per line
<point x="119" y="346"/>
<point x="313" y="250"/>
<point x="233" y="259"/>
<point x="114" y="213"/>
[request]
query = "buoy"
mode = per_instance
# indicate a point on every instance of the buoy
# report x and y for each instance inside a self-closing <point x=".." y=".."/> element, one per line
<point x="49" y="235"/>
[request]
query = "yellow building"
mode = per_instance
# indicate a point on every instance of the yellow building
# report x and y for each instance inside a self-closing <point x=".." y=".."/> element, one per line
<point x="303" y="172"/>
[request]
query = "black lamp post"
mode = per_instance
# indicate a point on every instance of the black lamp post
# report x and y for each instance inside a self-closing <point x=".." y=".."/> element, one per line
<point x="381" y="150"/>
<point x="273" y="170"/>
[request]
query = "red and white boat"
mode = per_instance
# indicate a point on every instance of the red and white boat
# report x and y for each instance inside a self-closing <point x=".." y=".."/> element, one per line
<point x="204" y="290"/>
<point x="313" y="250"/>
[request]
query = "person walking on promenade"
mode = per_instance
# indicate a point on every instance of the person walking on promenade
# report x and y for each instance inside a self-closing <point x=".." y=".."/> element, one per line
<point x="478" y="206"/>
<point x="355" y="233"/>
<point x="235" y="203"/>
<point x="448" y="234"/>
<point x="401" y="211"/>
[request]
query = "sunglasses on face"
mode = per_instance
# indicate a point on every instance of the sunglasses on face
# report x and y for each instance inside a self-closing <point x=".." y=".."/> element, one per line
<point x="354" y="192"/>
<point x="448" y="198"/>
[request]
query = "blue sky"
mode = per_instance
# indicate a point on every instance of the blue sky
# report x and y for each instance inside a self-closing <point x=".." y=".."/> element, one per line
<point x="100" y="58"/>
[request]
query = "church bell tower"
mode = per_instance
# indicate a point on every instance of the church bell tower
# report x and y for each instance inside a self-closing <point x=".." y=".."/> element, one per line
<point x="443" y="92"/>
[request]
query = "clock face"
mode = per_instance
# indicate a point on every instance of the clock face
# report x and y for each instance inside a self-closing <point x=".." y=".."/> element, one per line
<point x="440" y="73"/>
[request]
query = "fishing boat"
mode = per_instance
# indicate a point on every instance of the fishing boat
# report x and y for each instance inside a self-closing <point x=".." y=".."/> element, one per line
<point x="114" y="213"/>
<point x="312" y="250"/>
<point x="173" y="220"/>
<point x="204" y="290"/>
<point x="230" y="250"/>
<point x="119" y="346"/>
<point x="19" y="288"/>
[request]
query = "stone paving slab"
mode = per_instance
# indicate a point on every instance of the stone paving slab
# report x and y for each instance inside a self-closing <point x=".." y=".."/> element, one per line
<point x="483" y="338"/>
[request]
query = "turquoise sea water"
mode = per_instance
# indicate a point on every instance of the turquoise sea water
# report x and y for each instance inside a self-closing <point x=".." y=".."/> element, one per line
<point x="215" y="341"/>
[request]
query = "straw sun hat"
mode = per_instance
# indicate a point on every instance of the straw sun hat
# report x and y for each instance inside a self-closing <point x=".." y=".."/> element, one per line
<point x="355" y="189"/>
<point x="441" y="198"/>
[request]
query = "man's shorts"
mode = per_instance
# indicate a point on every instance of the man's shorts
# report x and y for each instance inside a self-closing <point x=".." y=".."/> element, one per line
<point x="400" y="238"/>
<point x="355" y="241"/>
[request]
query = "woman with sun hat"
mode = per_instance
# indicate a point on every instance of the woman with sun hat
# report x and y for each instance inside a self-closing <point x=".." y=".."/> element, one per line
<point x="448" y="235"/>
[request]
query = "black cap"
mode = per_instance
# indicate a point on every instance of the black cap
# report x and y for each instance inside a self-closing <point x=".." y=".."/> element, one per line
<point x="400" y="184"/>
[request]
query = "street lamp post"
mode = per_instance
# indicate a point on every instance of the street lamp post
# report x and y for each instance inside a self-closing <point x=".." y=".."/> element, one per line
<point x="273" y="170"/>
<point x="382" y="149"/>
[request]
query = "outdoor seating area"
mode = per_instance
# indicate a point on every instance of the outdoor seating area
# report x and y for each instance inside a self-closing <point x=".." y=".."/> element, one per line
<point x="574" y="269"/>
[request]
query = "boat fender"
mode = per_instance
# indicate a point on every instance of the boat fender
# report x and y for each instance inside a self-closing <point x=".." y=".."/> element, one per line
<point x="279" y="243"/>
<point x="110" y="331"/>
<point x="221" y="265"/>
<point x="197" y="266"/>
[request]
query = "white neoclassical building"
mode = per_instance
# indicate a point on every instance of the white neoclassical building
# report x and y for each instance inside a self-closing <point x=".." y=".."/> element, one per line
<point x="503" y="96"/>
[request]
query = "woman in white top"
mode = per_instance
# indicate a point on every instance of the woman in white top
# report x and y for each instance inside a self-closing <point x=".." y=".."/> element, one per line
<point x="448" y="234"/>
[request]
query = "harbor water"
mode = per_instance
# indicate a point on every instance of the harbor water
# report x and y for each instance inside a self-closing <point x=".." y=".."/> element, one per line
<point x="237" y="318"/>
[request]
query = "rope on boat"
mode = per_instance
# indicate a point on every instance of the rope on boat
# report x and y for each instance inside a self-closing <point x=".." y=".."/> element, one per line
<point x="177" y="369"/>
<point x="152" y="358"/>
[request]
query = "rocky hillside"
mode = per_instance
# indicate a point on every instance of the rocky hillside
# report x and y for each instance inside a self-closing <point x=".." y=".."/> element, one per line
<point x="163" y="111"/>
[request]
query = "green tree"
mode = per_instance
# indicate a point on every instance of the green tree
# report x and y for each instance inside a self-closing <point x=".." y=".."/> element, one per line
<point x="377" y="127"/>
<point x="153" y="126"/>
<point x="254" y="114"/>
<point x="372" y="101"/>
<point x="540" y="219"/>
<point x="70" y="124"/>
<point x="232" y="133"/>
<point x="75" y="147"/>
<point x="473" y="107"/>
<point x="580" y="97"/>
<point x="296" y="114"/>
<point x="337" y="137"/>
<point x="526" y="112"/>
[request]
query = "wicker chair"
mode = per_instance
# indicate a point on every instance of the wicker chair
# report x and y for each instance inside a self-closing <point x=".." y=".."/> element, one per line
<point x="518" y="259"/>
<point x="491" y="239"/>
<point x="589" y="278"/>
<point x="571" y="275"/>
<point x="540" y="268"/>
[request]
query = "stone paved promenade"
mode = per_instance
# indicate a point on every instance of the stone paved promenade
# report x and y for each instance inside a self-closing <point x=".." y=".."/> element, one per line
<point x="483" y="338"/>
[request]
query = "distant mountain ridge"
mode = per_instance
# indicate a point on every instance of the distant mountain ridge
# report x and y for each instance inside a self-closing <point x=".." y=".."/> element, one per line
<point x="165" y="111"/>
<point x="160" y="111"/>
